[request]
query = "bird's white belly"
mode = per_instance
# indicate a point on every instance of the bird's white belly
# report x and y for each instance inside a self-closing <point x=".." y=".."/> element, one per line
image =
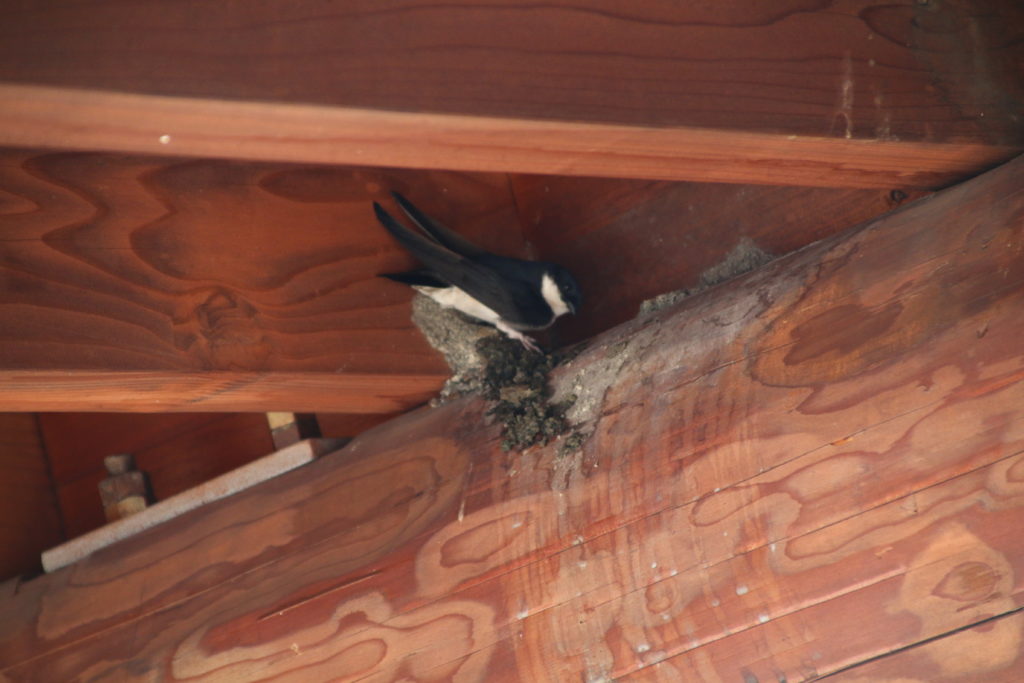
<point x="453" y="297"/>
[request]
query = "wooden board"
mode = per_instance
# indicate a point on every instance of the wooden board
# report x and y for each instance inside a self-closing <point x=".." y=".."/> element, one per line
<point x="937" y="71"/>
<point x="33" y="116"/>
<point x="963" y="655"/>
<point x="807" y="468"/>
<point x="135" y="283"/>
<point x="29" y="517"/>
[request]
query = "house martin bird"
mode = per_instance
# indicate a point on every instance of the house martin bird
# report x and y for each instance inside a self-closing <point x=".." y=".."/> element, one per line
<point x="512" y="294"/>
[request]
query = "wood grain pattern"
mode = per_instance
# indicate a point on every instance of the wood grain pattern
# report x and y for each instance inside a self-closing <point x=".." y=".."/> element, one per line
<point x="32" y="116"/>
<point x="627" y="241"/>
<point x="29" y="516"/>
<point x="832" y="441"/>
<point x="934" y="660"/>
<point x="180" y="390"/>
<point x="942" y="71"/>
<point x="149" y="284"/>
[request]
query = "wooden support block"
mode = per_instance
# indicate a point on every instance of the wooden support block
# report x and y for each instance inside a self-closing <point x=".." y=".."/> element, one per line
<point x="804" y="469"/>
<point x="125" y="491"/>
<point x="289" y="428"/>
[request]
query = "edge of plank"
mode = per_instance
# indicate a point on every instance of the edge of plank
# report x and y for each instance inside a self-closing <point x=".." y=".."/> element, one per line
<point x="74" y="119"/>
<point x="170" y="391"/>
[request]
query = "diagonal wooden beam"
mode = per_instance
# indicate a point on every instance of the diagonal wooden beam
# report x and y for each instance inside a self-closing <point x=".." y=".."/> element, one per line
<point x="830" y="441"/>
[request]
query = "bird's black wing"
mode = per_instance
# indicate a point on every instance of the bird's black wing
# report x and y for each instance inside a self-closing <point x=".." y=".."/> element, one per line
<point x="511" y="298"/>
<point x="416" y="278"/>
<point x="446" y="237"/>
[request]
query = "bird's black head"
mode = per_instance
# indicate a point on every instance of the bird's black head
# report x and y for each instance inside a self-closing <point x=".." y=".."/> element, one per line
<point x="567" y="287"/>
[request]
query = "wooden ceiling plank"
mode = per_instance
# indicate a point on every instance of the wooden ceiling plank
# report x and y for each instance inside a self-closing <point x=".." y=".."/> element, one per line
<point x="938" y="71"/>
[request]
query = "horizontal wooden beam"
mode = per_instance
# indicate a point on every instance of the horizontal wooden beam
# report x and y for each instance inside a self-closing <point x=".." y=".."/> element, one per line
<point x="912" y="71"/>
<point x="170" y="391"/>
<point x="836" y="438"/>
<point x="159" y="284"/>
<point x="63" y="118"/>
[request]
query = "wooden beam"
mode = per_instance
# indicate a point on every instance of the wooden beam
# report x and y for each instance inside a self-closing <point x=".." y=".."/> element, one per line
<point x="926" y="71"/>
<point x="156" y="284"/>
<point x="851" y="94"/>
<point x="934" y="661"/>
<point x="65" y="118"/>
<point x="830" y="441"/>
<point x="209" y="391"/>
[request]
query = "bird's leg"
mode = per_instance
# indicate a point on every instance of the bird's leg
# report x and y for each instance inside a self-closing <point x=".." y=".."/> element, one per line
<point x="528" y="343"/>
<point x="516" y="334"/>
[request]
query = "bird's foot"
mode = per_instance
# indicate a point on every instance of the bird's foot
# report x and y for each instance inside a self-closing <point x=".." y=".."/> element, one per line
<point x="527" y="342"/>
<point x="530" y="344"/>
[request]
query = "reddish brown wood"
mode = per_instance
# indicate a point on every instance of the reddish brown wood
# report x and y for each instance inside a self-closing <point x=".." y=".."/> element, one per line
<point x="33" y="116"/>
<point x="628" y="241"/>
<point x="964" y="655"/>
<point x="148" y="284"/>
<point x="348" y="425"/>
<point x="946" y="71"/>
<point x="176" y="451"/>
<point x="808" y="467"/>
<point x="150" y="391"/>
<point x="29" y="516"/>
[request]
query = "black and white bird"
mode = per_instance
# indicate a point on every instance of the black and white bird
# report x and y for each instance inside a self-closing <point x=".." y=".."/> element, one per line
<point x="512" y="294"/>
